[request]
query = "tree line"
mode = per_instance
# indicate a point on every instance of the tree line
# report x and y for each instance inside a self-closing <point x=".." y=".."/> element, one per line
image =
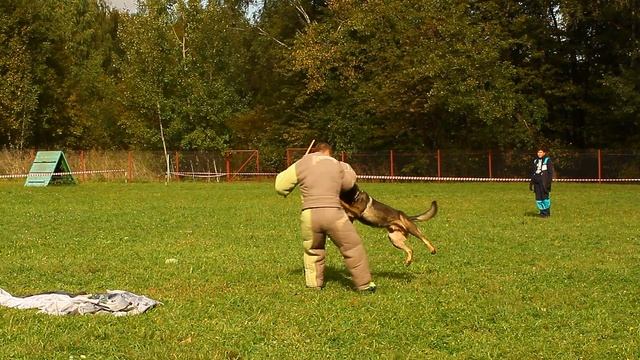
<point x="364" y="75"/>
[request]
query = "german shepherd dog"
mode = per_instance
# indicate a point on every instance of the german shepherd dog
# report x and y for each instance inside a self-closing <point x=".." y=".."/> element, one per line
<point x="362" y="207"/>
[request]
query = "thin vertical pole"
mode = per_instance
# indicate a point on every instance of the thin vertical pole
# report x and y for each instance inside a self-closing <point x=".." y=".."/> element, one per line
<point x="83" y="166"/>
<point x="599" y="166"/>
<point x="130" y="167"/>
<point x="228" y="165"/>
<point x="490" y="164"/>
<point x="342" y="156"/>
<point x="258" y="162"/>
<point x="177" y="165"/>
<point x="439" y="163"/>
<point x="391" y="166"/>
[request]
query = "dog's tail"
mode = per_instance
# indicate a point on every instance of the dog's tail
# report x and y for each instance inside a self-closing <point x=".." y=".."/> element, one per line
<point x="427" y="214"/>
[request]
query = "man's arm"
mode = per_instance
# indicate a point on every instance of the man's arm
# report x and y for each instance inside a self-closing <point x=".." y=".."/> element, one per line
<point x="349" y="177"/>
<point x="548" y="178"/>
<point x="550" y="168"/>
<point x="286" y="181"/>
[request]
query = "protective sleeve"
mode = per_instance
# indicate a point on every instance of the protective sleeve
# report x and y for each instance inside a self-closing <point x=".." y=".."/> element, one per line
<point x="349" y="178"/>
<point x="286" y="181"/>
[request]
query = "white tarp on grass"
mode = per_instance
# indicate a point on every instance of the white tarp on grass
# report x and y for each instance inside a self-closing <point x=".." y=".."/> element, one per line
<point x="114" y="302"/>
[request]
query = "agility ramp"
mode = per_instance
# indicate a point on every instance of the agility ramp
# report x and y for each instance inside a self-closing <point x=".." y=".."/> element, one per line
<point x="49" y="167"/>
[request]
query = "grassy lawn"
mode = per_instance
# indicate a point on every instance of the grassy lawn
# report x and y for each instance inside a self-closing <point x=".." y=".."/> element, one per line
<point x="504" y="284"/>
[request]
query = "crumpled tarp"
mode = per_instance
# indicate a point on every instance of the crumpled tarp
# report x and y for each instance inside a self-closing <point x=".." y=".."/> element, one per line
<point x="114" y="302"/>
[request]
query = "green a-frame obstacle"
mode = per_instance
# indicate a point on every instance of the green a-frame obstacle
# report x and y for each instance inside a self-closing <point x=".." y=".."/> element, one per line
<point x="49" y="167"/>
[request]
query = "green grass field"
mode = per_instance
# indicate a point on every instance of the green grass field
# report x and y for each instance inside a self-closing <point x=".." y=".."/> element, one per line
<point x="504" y="284"/>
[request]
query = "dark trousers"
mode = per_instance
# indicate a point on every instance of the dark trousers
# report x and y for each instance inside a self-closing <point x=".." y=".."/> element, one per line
<point x="543" y="201"/>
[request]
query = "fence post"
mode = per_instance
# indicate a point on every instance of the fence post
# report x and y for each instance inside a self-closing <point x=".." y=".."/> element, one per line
<point x="177" y="164"/>
<point x="83" y="166"/>
<point x="227" y="160"/>
<point x="258" y="162"/>
<point x="599" y="166"/>
<point x="439" y="164"/>
<point x="490" y="165"/>
<point x="130" y="167"/>
<point x="391" y="166"/>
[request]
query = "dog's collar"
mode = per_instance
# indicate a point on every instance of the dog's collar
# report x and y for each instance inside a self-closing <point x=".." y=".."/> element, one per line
<point x="357" y="195"/>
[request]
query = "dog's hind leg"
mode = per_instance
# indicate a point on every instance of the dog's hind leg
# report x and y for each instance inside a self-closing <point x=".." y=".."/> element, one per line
<point x="398" y="240"/>
<point x="413" y="230"/>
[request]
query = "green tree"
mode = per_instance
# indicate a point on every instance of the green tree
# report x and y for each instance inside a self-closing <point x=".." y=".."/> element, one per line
<point x="602" y="63"/>
<point x="409" y="74"/>
<point x="176" y="68"/>
<point x="269" y="81"/>
<point x="88" y="86"/>
<point x="55" y="72"/>
<point x="18" y="92"/>
<point x="27" y="35"/>
<point x="579" y="59"/>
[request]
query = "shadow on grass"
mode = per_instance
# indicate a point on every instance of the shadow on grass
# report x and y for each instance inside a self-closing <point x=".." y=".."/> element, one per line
<point x="531" y="214"/>
<point x="404" y="276"/>
<point x="331" y="274"/>
<point x="341" y="275"/>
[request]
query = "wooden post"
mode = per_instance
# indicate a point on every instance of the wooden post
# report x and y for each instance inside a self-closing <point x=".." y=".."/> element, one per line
<point x="177" y="164"/>
<point x="130" y="167"/>
<point x="83" y="166"/>
<point x="342" y="156"/>
<point x="490" y="164"/>
<point x="599" y="166"/>
<point x="391" y="166"/>
<point x="439" y="164"/>
<point x="228" y="165"/>
<point x="258" y="164"/>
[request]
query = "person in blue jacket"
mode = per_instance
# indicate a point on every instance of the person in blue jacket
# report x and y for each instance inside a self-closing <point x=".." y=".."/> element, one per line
<point x="540" y="184"/>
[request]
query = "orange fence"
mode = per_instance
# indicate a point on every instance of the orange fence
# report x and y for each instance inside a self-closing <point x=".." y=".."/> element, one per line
<point x="490" y="165"/>
<point x="456" y="165"/>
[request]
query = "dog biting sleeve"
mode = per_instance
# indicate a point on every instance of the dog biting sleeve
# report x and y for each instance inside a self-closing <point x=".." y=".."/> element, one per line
<point x="286" y="181"/>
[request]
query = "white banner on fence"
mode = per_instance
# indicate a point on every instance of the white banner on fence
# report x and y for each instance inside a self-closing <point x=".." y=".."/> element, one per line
<point x="364" y="177"/>
<point x="15" y="176"/>
<point x="403" y="178"/>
